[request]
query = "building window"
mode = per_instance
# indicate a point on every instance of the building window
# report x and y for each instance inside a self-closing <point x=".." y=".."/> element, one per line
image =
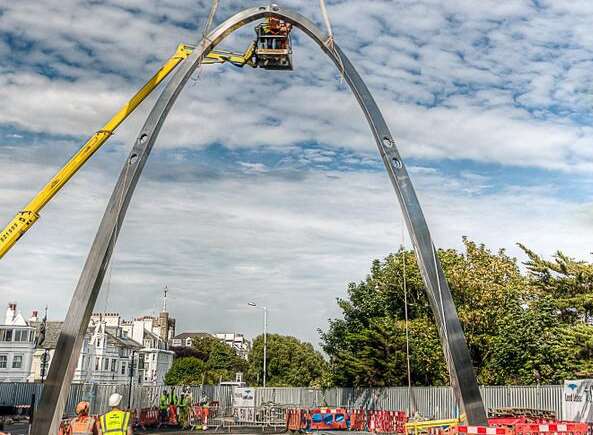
<point x="21" y="335"/>
<point x="5" y="334"/>
<point x="3" y="361"/>
<point x="97" y="362"/>
<point x="113" y="365"/>
<point x="17" y="362"/>
<point x="123" y="368"/>
<point x="106" y="364"/>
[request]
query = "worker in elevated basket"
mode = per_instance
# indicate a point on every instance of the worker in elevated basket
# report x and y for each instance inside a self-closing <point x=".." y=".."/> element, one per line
<point x="116" y="421"/>
<point x="83" y="423"/>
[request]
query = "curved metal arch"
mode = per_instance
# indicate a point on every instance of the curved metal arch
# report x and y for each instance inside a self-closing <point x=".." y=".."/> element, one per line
<point x="70" y="341"/>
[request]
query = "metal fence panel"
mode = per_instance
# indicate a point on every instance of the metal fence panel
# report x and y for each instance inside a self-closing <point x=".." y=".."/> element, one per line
<point x="431" y="402"/>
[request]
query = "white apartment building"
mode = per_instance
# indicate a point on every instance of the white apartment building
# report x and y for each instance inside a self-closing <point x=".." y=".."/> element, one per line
<point x="155" y="360"/>
<point x="105" y="357"/>
<point x="17" y="344"/>
<point x="109" y="347"/>
<point x="155" y="365"/>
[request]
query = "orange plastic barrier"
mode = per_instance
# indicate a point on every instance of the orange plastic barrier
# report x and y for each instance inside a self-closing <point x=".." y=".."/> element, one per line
<point x="386" y="421"/>
<point x="328" y="419"/>
<point x="148" y="417"/>
<point x="556" y="428"/>
<point x="200" y="415"/>
<point x="297" y="419"/>
<point x="358" y="420"/>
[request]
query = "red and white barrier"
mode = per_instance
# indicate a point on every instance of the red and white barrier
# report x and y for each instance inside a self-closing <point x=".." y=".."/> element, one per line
<point x="482" y="430"/>
<point x="556" y="428"/>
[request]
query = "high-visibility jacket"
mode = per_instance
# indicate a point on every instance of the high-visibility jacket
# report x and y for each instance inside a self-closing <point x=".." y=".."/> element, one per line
<point x="164" y="402"/>
<point x="115" y="422"/>
<point x="82" y="426"/>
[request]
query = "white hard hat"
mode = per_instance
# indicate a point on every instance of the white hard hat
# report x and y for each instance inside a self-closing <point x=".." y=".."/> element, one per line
<point x="115" y="399"/>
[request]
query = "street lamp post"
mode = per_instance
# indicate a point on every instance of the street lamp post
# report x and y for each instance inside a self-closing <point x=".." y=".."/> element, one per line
<point x="265" y="310"/>
<point x="44" y="360"/>
<point x="131" y="370"/>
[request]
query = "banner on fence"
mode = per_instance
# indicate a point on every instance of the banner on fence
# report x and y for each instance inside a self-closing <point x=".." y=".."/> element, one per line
<point x="244" y="404"/>
<point x="243" y="397"/>
<point x="577" y="400"/>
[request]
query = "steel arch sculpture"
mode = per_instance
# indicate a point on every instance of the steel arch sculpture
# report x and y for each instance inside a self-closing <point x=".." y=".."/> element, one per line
<point x="70" y="341"/>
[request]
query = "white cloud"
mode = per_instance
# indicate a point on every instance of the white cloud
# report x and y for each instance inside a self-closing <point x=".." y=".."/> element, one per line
<point x="506" y="83"/>
<point x="493" y="74"/>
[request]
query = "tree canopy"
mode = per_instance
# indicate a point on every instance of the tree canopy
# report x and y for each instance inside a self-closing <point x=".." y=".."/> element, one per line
<point x="521" y="327"/>
<point x="208" y="361"/>
<point x="290" y="363"/>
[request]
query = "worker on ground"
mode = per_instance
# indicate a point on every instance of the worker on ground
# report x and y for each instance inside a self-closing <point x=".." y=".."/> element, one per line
<point x="184" y="405"/>
<point x="164" y="406"/>
<point x="116" y="421"/>
<point x="83" y="423"/>
<point x="173" y="408"/>
<point x="204" y="401"/>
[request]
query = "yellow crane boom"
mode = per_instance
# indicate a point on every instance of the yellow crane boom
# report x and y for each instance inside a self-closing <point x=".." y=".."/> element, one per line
<point x="25" y="218"/>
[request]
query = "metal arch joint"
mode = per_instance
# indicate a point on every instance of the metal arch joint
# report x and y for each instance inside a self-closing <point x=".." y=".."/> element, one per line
<point x="70" y="341"/>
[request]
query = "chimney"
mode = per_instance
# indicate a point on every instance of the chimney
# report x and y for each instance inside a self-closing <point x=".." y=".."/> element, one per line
<point x="34" y="316"/>
<point x="10" y="314"/>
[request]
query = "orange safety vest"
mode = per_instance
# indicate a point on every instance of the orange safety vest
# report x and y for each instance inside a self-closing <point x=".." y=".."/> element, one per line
<point x="82" y="426"/>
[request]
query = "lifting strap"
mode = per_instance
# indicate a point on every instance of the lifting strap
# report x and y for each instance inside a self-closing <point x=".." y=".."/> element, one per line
<point x="328" y="26"/>
<point x="205" y="33"/>
<point x="208" y="24"/>
<point x="329" y="43"/>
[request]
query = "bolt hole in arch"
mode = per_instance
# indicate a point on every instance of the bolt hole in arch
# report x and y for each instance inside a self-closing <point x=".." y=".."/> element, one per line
<point x="133" y="159"/>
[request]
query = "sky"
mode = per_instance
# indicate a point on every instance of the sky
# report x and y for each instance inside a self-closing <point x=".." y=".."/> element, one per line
<point x="266" y="186"/>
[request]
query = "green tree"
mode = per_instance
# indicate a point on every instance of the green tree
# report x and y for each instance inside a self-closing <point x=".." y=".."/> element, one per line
<point x="520" y="328"/>
<point x="210" y="362"/>
<point x="290" y="363"/>
<point x="568" y="281"/>
<point x="186" y="371"/>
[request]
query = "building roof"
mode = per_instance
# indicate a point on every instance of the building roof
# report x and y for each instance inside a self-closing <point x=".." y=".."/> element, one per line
<point x="52" y="333"/>
<point x="53" y="329"/>
<point x="184" y="335"/>
<point x="111" y="332"/>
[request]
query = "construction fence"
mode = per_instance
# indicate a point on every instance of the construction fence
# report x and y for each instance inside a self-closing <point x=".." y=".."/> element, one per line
<point x="430" y="402"/>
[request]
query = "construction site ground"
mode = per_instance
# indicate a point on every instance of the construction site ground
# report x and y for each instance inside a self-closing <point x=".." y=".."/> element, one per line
<point x="23" y="428"/>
